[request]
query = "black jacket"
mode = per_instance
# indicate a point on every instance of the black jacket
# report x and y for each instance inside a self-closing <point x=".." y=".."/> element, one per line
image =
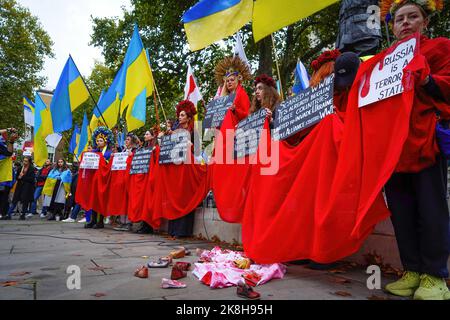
<point x="25" y="187"/>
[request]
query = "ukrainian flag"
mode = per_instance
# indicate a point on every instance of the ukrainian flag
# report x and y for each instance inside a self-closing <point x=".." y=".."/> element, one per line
<point x="5" y="165"/>
<point x="84" y="137"/>
<point x="43" y="127"/>
<point x="212" y="20"/>
<point x="109" y="105"/>
<point x="50" y="182"/>
<point x="66" y="180"/>
<point x="70" y="93"/>
<point x="135" y="81"/>
<point x="75" y="140"/>
<point x="28" y="109"/>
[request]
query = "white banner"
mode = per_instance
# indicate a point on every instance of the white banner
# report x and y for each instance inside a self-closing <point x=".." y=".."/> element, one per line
<point x="386" y="79"/>
<point x="90" y="161"/>
<point x="119" y="161"/>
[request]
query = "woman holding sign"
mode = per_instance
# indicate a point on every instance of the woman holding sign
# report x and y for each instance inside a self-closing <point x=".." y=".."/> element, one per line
<point x="266" y="96"/>
<point x="230" y="73"/>
<point x="102" y="140"/>
<point x="184" y="227"/>
<point x="416" y="192"/>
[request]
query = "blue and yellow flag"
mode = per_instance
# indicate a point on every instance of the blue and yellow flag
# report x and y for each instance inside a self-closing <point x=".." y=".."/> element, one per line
<point x="43" y="126"/>
<point x="28" y="111"/>
<point x="70" y="93"/>
<point x="50" y="183"/>
<point x="66" y="180"/>
<point x="75" y="140"/>
<point x="212" y="20"/>
<point x="85" y="136"/>
<point x="109" y="105"/>
<point x="135" y="80"/>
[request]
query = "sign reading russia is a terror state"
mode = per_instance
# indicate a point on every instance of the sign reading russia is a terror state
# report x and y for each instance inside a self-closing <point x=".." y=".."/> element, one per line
<point x="141" y="161"/>
<point x="386" y="78"/>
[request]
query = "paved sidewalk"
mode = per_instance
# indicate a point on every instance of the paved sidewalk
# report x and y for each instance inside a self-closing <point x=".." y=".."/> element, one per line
<point x="41" y="251"/>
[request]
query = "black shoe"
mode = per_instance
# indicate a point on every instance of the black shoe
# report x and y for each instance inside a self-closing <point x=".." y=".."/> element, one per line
<point x="300" y="262"/>
<point x="22" y="217"/>
<point x="98" y="226"/>
<point x="52" y="217"/>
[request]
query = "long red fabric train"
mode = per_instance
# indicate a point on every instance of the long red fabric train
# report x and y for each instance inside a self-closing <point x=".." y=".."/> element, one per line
<point x="327" y="199"/>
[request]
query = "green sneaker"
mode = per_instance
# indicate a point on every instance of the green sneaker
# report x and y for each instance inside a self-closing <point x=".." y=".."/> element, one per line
<point x="432" y="288"/>
<point x="406" y="286"/>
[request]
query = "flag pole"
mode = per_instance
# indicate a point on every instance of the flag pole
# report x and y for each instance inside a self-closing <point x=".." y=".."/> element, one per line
<point x="278" y="67"/>
<point x="92" y="97"/>
<point x="65" y="139"/>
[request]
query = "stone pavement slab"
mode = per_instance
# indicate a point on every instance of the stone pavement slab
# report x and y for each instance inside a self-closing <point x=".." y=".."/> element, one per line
<point x="41" y="251"/>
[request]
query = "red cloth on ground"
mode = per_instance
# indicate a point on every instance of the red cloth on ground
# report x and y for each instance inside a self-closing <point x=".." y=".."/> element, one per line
<point x="117" y="198"/>
<point x="100" y="188"/>
<point x="179" y="189"/>
<point x="421" y="147"/>
<point x="85" y="184"/>
<point x="326" y="198"/>
<point x="137" y="192"/>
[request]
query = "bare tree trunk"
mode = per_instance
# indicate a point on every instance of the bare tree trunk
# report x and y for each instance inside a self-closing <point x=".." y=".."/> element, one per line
<point x="265" y="56"/>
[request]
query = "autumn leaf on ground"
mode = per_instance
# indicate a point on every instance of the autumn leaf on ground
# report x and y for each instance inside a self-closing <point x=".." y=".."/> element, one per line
<point x="343" y="294"/>
<point x="99" y="295"/>
<point x="340" y="280"/>
<point x="19" y="274"/>
<point x="9" y="283"/>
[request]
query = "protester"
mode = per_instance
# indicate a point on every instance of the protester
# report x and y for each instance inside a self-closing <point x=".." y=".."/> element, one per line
<point x="72" y="207"/>
<point x="9" y="137"/>
<point x="56" y="188"/>
<point x="230" y="74"/>
<point x="24" y="189"/>
<point x="266" y="96"/>
<point x="40" y="182"/>
<point x="150" y="141"/>
<point x="102" y="140"/>
<point x="184" y="227"/>
<point x="7" y="174"/>
<point x="416" y="191"/>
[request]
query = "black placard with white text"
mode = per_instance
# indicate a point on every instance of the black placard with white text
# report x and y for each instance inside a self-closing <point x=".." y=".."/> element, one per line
<point x="248" y="134"/>
<point x="304" y="110"/>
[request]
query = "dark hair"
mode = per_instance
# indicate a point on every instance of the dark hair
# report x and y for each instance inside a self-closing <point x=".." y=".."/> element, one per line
<point x="134" y="138"/>
<point x="65" y="167"/>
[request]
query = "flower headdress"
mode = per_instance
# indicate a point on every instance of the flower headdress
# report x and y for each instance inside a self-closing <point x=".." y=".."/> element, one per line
<point x="268" y="81"/>
<point x="188" y="107"/>
<point x="325" y="57"/>
<point x="104" y="133"/>
<point x="389" y="7"/>
<point x="232" y="66"/>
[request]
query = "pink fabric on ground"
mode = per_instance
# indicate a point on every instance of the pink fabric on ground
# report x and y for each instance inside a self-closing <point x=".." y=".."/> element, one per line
<point x="223" y="272"/>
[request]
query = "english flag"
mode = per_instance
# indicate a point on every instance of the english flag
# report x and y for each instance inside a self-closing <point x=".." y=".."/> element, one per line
<point x="191" y="91"/>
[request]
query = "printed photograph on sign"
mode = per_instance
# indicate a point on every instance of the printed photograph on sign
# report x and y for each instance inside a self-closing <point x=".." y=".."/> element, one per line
<point x="385" y="80"/>
<point x="304" y="110"/>
<point x="90" y="161"/>
<point x="119" y="161"/>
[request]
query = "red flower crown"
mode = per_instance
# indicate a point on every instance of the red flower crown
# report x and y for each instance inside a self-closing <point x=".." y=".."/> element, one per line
<point x="268" y="81"/>
<point x="327" y="56"/>
<point x="188" y="107"/>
